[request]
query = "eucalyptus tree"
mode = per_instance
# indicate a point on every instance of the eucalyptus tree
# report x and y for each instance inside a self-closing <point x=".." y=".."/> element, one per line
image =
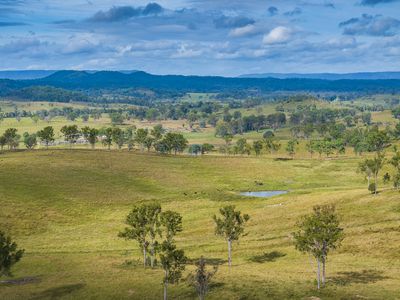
<point x="140" y="137"/>
<point x="230" y="226"/>
<point x="130" y="137"/>
<point x="257" y="146"/>
<point x="71" y="133"/>
<point x="318" y="234"/>
<point x="291" y="147"/>
<point x="3" y="142"/>
<point x="90" y="134"/>
<point x="9" y="254"/>
<point x="153" y="211"/>
<point x="157" y="132"/>
<point x="365" y="167"/>
<point x="377" y="164"/>
<point x="118" y="137"/>
<point x="171" y="223"/>
<point x="107" y="138"/>
<point x="46" y="135"/>
<point x="137" y="230"/>
<point x="395" y="162"/>
<point x="11" y="138"/>
<point x="173" y="262"/>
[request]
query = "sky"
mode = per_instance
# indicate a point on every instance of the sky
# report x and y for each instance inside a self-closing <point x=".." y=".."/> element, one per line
<point x="201" y="37"/>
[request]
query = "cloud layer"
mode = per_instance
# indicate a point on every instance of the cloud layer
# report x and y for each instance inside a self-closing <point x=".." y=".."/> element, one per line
<point x="225" y="37"/>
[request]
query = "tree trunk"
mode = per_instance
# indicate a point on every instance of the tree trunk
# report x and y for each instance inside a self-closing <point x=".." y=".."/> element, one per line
<point x="369" y="179"/>
<point x="152" y="254"/>
<point x="376" y="183"/>
<point x="229" y="253"/>
<point x="318" y="273"/>
<point x="144" y="257"/>
<point x="165" y="285"/>
<point x="323" y="270"/>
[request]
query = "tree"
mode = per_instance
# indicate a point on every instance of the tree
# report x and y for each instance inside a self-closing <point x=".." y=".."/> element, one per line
<point x="137" y="230"/>
<point x="9" y="254"/>
<point x="173" y="262"/>
<point x="318" y="234"/>
<point x="257" y="146"/>
<point x="157" y="132"/>
<point x="3" y="142"/>
<point x="153" y="211"/>
<point x="395" y="162"/>
<point x="200" y="280"/>
<point x="71" y="133"/>
<point x="310" y="146"/>
<point x="376" y="165"/>
<point x="172" y="224"/>
<point x="230" y="226"/>
<point x="195" y="149"/>
<point x="129" y="137"/>
<point x="140" y="138"/>
<point x="176" y="142"/>
<point x="118" y="137"/>
<point x="11" y="138"/>
<point x="117" y="118"/>
<point x="107" y="137"/>
<point x="366" y="118"/>
<point x="90" y="134"/>
<point x="30" y="140"/>
<point x="365" y="167"/>
<point x="35" y="118"/>
<point x="46" y="135"/>
<point x="206" y="148"/>
<point x="144" y="227"/>
<point x="148" y="143"/>
<point x="377" y="140"/>
<point x="291" y="147"/>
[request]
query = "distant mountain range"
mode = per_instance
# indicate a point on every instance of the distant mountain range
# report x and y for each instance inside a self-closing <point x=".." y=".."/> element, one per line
<point x="329" y="76"/>
<point x="111" y="80"/>
<point x="36" y="74"/>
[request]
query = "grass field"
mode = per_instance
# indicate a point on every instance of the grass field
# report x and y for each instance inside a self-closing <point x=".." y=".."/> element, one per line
<point x="67" y="207"/>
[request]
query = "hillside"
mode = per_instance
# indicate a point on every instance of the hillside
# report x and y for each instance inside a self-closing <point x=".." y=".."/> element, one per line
<point x="65" y="208"/>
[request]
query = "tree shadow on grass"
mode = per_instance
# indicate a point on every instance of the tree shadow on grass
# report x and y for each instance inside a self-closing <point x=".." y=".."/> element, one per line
<point x="364" y="277"/>
<point x="20" y="281"/>
<point x="209" y="261"/>
<point x="57" y="292"/>
<point x="267" y="257"/>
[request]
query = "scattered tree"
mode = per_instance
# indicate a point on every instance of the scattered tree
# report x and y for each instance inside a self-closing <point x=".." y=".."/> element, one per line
<point x="230" y="226"/>
<point x="318" y="234"/>
<point x="9" y="254"/>
<point x="46" y="135"/>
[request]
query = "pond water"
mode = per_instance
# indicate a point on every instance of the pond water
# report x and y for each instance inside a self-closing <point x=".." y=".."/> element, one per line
<point x="263" y="194"/>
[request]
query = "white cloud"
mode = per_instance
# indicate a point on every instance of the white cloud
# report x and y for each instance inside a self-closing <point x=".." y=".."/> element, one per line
<point x="278" y="35"/>
<point x="243" y="31"/>
<point x="185" y="52"/>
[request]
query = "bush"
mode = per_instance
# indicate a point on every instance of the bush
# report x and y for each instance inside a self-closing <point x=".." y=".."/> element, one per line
<point x="372" y="187"/>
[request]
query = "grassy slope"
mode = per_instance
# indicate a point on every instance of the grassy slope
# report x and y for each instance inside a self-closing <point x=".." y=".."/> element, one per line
<point x="66" y="208"/>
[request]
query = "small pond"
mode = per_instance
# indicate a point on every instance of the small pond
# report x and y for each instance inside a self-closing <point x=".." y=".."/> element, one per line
<point x="263" y="194"/>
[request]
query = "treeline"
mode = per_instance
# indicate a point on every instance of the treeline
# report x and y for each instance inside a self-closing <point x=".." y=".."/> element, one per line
<point x="156" y="139"/>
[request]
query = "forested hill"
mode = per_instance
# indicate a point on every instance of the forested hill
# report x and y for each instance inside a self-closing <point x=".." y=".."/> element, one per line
<point x="66" y="86"/>
<point x="110" y="80"/>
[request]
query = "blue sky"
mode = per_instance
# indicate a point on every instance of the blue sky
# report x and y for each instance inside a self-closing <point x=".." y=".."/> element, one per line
<point x="203" y="37"/>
